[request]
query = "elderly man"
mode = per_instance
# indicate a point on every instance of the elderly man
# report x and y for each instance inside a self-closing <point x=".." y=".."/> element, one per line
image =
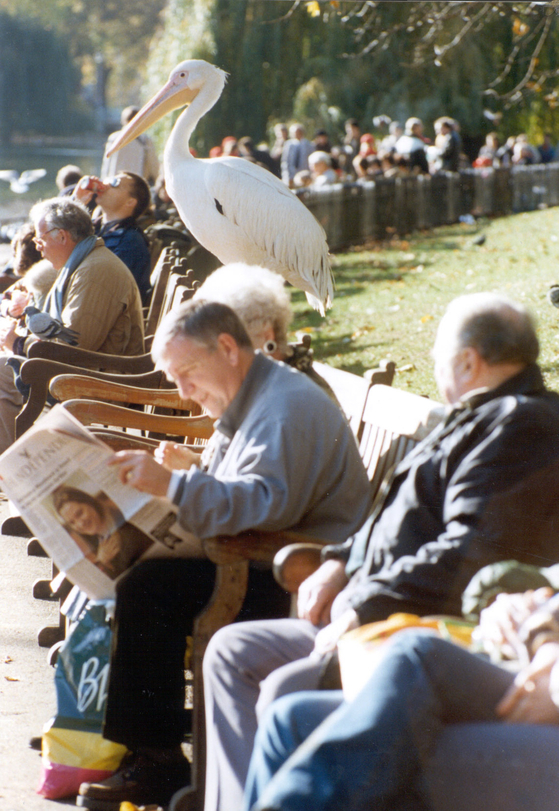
<point x="94" y="295"/>
<point x="122" y="199"/>
<point x="477" y="490"/>
<point x="281" y="456"/>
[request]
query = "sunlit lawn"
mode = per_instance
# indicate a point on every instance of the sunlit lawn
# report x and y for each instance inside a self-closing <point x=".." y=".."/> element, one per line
<point x="390" y="297"/>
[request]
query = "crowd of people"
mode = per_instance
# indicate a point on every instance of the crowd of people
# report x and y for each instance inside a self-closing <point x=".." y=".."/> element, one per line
<point x="480" y="489"/>
<point x="397" y="150"/>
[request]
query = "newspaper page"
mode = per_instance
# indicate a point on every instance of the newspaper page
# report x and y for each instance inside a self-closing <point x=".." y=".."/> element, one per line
<point x="94" y="527"/>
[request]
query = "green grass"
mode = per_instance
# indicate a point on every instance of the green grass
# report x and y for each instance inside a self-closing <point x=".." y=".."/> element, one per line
<point x="390" y="297"/>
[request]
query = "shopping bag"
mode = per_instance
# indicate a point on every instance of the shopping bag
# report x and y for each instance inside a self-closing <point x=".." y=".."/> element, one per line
<point x="74" y="750"/>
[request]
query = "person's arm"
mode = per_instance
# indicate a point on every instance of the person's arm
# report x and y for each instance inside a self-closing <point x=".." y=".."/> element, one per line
<point x="500" y="501"/>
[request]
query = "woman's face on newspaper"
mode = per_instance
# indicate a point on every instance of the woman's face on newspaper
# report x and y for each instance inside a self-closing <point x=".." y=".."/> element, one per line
<point x="82" y="518"/>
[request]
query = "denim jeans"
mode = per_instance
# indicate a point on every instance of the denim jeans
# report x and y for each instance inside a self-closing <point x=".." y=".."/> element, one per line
<point x="315" y="752"/>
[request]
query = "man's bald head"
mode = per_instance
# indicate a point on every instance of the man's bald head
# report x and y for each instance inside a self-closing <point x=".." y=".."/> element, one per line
<point x="490" y="329"/>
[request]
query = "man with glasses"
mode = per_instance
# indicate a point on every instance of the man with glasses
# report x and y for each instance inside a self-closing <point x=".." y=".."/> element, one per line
<point x="121" y="199"/>
<point x="94" y="294"/>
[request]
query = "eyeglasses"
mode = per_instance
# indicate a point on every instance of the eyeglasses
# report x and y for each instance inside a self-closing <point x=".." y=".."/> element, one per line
<point x="40" y="240"/>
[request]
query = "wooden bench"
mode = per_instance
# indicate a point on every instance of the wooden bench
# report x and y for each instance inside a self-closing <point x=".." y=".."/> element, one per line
<point x="393" y="422"/>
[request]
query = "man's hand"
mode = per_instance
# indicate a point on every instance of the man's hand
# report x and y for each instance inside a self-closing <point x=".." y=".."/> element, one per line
<point x="140" y="470"/>
<point x="84" y="194"/>
<point x="176" y="457"/>
<point x="317" y="592"/>
<point x="528" y="700"/>
<point x="327" y="638"/>
<point x="499" y="624"/>
<point x="15" y="304"/>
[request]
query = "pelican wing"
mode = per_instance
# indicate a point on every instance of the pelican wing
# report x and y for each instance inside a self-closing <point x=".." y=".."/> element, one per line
<point x="276" y="222"/>
<point x="31" y="175"/>
<point x="8" y="175"/>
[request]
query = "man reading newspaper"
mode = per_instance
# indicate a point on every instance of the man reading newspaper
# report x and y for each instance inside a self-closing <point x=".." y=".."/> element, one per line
<point x="282" y="456"/>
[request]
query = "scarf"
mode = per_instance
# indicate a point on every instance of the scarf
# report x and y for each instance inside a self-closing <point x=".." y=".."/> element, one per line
<point x="55" y="300"/>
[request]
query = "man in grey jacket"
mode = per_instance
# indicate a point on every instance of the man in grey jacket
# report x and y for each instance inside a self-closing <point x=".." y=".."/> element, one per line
<point x="282" y="456"/>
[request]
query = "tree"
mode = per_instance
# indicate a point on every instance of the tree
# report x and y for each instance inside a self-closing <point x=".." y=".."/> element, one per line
<point x="37" y="93"/>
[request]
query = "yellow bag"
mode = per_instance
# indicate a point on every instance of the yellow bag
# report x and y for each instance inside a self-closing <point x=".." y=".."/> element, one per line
<point x="361" y="650"/>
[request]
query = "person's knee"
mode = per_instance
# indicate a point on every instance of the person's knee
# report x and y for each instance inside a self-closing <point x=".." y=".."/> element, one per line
<point x="303" y="674"/>
<point x="416" y="646"/>
<point x="224" y="651"/>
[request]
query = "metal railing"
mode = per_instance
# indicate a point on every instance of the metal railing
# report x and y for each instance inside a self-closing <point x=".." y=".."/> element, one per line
<point x="352" y="214"/>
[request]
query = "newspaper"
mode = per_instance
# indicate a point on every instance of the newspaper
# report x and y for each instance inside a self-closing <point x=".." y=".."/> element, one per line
<point x="94" y="527"/>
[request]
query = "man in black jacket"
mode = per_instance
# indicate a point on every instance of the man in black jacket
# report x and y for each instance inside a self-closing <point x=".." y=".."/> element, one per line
<point x="483" y="487"/>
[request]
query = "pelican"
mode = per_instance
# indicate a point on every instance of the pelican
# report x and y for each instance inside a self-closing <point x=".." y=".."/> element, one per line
<point x="236" y="209"/>
<point x="19" y="183"/>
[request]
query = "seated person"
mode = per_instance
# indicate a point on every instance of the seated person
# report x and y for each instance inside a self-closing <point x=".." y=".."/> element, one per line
<point x="94" y="295"/>
<point x="33" y="288"/>
<point x="67" y="179"/>
<point x="320" y="165"/>
<point x="411" y="145"/>
<point x="24" y="252"/>
<point x="482" y="487"/>
<point x="376" y="751"/>
<point x="281" y="456"/>
<point x="122" y="199"/>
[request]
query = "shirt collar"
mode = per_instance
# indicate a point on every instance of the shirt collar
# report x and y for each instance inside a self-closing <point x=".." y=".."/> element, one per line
<point x="528" y="381"/>
<point x="235" y="413"/>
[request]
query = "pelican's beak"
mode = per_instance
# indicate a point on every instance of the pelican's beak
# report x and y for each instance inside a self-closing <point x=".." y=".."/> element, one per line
<point x="172" y="96"/>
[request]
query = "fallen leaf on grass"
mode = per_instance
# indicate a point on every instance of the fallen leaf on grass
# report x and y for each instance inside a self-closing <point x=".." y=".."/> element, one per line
<point x="409" y="367"/>
<point x="425" y="318"/>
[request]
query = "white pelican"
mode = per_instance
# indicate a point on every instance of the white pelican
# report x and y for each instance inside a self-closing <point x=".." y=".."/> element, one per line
<point x="236" y="209"/>
<point x="19" y="183"/>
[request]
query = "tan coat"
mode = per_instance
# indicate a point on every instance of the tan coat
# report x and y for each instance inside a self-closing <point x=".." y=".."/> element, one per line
<point x="102" y="303"/>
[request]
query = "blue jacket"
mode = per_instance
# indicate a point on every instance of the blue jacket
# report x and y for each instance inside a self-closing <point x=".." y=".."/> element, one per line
<point x="125" y="239"/>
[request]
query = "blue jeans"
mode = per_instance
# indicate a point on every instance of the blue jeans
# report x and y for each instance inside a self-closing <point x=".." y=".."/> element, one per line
<point x="315" y="752"/>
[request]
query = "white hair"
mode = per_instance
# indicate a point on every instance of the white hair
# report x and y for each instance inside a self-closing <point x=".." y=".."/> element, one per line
<point x="257" y="295"/>
<point x="319" y="157"/>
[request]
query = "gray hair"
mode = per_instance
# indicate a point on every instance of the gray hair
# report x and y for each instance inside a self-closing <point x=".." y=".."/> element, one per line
<point x="258" y="296"/>
<point x="200" y="321"/>
<point x="68" y="215"/>
<point x="501" y="330"/>
<point x="318" y="157"/>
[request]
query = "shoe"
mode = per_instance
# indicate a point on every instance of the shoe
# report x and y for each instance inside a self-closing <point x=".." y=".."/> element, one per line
<point x="36" y="743"/>
<point x="553" y="295"/>
<point x="144" y="777"/>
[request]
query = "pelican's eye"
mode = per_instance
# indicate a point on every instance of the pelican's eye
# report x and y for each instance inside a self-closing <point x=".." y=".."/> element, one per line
<point x="183" y="75"/>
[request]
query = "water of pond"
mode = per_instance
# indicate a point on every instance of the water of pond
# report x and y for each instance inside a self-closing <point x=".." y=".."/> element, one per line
<point x="51" y="158"/>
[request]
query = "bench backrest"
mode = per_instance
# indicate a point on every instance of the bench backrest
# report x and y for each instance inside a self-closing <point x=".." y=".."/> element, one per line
<point x="394" y="421"/>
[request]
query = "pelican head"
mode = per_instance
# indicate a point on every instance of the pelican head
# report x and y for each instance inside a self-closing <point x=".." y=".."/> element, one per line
<point x="185" y="83"/>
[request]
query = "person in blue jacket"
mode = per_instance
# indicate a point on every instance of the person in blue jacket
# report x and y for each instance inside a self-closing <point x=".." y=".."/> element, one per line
<point x="122" y="199"/>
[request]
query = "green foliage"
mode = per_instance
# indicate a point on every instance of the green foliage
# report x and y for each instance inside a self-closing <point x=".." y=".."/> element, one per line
<point x="37" y="93"/>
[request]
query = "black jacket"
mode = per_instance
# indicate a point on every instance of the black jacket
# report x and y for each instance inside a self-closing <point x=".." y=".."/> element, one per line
<point x="482" y="487"/>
